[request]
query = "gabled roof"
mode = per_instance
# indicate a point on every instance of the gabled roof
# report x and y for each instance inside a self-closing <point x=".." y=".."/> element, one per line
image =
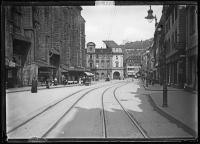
<point x="110" y="44"/>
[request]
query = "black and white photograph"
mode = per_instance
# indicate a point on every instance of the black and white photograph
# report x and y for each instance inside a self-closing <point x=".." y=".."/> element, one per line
<point x="99" y="71"/>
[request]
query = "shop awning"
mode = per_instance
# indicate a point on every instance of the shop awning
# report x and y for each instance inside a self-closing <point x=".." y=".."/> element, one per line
<point x="89" y="74"/>
<point x="22" y="38"/>
<point x="54" y="51"/>
<point x="63" y="70"/>
<point x="41" y="65"/>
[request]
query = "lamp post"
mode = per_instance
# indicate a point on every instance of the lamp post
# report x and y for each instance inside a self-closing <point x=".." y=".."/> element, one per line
<point x="96" y="69"/>
<point x="150" y="18"/>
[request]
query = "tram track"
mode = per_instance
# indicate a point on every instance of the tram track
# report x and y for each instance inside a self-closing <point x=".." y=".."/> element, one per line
<point x="130" y="116"/>
<point x="53" y="105"/>
<point x="57" y="122"/>
<point x="103" y="112"/>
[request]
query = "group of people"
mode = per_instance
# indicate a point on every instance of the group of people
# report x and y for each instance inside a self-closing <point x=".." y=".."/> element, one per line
<point x="48" y="82"/>
<point x="148" y="78"/>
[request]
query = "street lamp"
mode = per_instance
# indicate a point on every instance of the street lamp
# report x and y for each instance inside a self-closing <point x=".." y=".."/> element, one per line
<point x="150" y="18"/>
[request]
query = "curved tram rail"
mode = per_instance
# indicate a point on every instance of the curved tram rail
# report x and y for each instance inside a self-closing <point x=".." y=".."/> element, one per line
<point x="132" y="119"/>
<point x="53" y="105"/>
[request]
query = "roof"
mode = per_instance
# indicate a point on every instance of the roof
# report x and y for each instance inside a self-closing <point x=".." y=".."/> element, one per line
<point x="91" y="44"/>
<point x="103" y="51"/>
<point x="110" y="44"/>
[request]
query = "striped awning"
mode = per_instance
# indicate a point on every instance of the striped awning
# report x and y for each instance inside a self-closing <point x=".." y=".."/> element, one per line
<point x="89" y="74"/>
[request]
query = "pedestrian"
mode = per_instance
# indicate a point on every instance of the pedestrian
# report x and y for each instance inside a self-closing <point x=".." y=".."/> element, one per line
<point x="84" y="80"/>
<point x="62" y="79"/>
<point x="47" y="83"/>
<point x="79" y="81"/>
<point x="34" y="85"/>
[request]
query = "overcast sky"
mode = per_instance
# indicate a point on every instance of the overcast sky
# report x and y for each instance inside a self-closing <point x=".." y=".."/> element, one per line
<point x="118" y="23"/>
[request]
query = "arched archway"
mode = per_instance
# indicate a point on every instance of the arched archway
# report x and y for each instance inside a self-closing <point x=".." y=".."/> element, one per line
<point x="116" y="75"/>
<point x="97" y="75"/>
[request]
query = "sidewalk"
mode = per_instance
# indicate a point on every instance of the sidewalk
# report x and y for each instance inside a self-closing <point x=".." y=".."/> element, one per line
<point x="28" y="88"/>
<point x="182" y="106"/>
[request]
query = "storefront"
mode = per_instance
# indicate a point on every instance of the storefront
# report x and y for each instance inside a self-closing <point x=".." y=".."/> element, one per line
<point x="45" y="71"/>
<point x="75" y="73"/>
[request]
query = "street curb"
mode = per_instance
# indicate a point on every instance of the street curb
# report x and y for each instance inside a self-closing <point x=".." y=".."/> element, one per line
<point x="159" y="90"/>
<point x="171" y="118"/>
<point x="41" y="88"/>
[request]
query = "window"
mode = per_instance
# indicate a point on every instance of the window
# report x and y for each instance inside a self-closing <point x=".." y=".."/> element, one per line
<point x="192" y="20"/>
<point x="90" y="48"/>
<point x="116" y="57"/>
<point x="173" y="13"/>
<point x="97" y="61"/>
<point x="117" y="64"/>
<point x="90" y="65"/>
<point x="97" y="56"/>
<point x="176" y="35"/>
<point x="90" y="56"/>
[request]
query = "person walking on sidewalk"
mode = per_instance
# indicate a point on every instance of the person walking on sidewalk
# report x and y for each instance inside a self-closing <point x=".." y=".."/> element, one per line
<point x="34" y="85"/>
<point x="47" y="83"/>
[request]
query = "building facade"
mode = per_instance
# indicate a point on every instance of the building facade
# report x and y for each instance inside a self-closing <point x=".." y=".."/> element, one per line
<point x="176" y="47"/>
<point x="191" y="47"/>
<point x="43" y="42"/>
<point x="105" y="62"/>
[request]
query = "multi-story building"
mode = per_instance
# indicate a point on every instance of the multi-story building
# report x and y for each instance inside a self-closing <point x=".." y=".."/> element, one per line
<point x="133" y="55"/>
<point x="42" y="42"/>
<point x="20" y="36"/>
<point x="105" y="62"/>
<point x="175" y="43"/>
<point x="191" y="46"/>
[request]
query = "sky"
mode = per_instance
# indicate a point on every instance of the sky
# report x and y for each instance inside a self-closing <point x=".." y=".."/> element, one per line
<point x="118" y="23"/>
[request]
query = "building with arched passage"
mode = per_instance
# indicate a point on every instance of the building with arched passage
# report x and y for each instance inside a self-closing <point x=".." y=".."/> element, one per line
<point x="105" y="62"/>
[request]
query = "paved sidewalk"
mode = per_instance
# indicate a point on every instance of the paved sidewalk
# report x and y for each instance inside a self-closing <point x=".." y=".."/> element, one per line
<point x="182" y="105"/>
<point x="28" y="88"/>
